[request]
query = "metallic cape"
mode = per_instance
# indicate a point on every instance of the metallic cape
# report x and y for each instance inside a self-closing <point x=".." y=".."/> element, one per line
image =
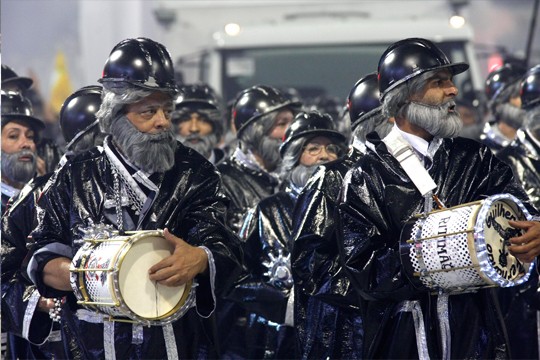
<point x="327" y="309"/>
<point x="190" y="203"/>
<point x="377" y="200"/>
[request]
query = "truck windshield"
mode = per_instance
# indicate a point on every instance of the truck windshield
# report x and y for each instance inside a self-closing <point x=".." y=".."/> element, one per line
<point x="314" y="71"/>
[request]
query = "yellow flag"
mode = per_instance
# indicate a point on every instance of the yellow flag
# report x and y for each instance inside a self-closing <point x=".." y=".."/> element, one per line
<point x="61" y="84"/>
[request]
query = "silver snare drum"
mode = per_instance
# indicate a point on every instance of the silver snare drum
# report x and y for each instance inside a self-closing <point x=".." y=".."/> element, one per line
<point x="464" y="248"/>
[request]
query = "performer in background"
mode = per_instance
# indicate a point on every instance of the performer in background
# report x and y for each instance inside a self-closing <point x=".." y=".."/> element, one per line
<point x="310" y="140"/>
<point x="20" y="133"/>
<point x="141" y="179"/>
<point x="502" y="91"/>
<point x="522" y="304"/>
<point x="24" y="311"/>
<point x="327" y="315"/>
<point x="381" y="194"/>
<point x="199" y="120"/>
<point x="261" y="114"/>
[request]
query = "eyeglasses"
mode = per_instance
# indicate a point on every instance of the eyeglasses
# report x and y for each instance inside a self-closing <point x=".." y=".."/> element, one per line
<point x="315" y="149"/>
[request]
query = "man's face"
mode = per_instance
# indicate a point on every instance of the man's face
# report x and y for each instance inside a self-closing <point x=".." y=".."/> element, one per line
<point x="152" y="114"/>
<point x="194" y="123"/>
<point x="17" y="136"/>
<point x="319" y="150"/>
<point x="281" y="122"/>
<point x="18" y="152"/>
<point x="439" y="88"/>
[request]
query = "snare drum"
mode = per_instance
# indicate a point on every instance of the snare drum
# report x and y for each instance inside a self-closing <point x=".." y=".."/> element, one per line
<point x="111" y="276"/>
<point x="465" y="247"/>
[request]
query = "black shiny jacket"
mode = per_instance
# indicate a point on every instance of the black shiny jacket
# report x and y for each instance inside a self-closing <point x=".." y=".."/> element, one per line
<point x="17" y="290"/>
<point x="378" y="199"/>
<point x="326" y="307"/>
<point x="245" y="187"/>
<point x="190" y="204"/>
<point x="523" y="155"/>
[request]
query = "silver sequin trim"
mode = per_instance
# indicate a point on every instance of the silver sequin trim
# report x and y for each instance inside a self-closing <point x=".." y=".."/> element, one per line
<point x="418" y="318"/>
<point x="212" y="269"/>
<point x="29" y="313"/>
<point x="170" y="342"/>
<point x="444" y="324"/>
<point x="108" y="340"/>
<point x="137" y="336"/>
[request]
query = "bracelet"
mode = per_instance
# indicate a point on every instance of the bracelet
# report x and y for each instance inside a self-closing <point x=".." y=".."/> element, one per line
<point x="54" y="313"/>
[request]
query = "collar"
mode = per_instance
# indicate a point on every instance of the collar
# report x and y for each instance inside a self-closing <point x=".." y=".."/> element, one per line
<point x="419" y="144"/>
<point x="248" y="161"/>
<point x="358" y="145"/>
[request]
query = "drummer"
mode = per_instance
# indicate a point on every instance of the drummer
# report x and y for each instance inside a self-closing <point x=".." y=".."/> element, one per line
<point x="141" y="179"/>
<point x="420" y="160"/>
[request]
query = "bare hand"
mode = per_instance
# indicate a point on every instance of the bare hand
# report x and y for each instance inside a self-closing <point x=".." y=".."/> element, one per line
<point x="183" y="265"/>
<point x="527" y="246"/>
<point x="45" y="304"/>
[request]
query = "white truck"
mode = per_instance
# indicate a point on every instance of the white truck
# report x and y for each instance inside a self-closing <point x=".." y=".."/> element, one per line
<point x="319" y="55"/>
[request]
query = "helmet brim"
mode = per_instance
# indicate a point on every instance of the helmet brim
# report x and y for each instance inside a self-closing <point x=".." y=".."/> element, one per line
<point x="455" y="68"/>
<point x="34" y="123"/>
<point x="22" y="82"/>
<point x="291" y="104"/>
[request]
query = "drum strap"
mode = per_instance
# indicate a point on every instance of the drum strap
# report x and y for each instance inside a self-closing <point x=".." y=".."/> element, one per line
<point x="402" y="151"/>
<point x="413" y="306"/>
<point x="444" y="324"/>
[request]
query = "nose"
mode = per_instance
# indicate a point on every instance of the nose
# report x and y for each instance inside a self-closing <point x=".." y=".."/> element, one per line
<point x="161" y="121"/>
<point x="27" y="143"/>
<point x="194" y="126"/>
<point x="451" y="89"/>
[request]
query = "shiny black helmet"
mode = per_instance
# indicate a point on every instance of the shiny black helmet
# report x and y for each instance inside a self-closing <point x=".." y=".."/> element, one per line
<point x="257" y="101"/>
<point x="409" y="58"/>
<point x="363" y="99"/>
<point x="78" y="113"/>
<point x="310" y="124"/>
<point x="17" y="107"/>
<point x="140" y="62"/>
<point x="499" y="79"/>
<point x="10" y="77"/>
<point x="530" y="88"/>
<point x="195" y="97"/>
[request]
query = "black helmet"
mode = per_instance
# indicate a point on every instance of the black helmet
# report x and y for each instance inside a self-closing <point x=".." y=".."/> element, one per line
<point x="530" y="88"/>
<point x="200" y="97"/>
<point x="256" y="101"/>
<point x="141" y="62"/>
<point x="311" y="124"/>
<point x="10" y="77"/>
<point x="501" y="78"/>
<point x="78" y="113"/>
<point x="16" y="107"/>
<point x="409" y="58"/>
<point x="363" y="99"/>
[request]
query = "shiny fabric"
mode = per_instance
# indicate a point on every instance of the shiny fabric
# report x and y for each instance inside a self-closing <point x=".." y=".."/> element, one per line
<point x="245" y="187"/>
<point x="520" y="304"/>
<point x="378" y="199"/>
<point x="266" y="287"/>
<point x="327" y="309"/>
<point x="244" y="333"/>
<point x="189" y="202"/>
<point x="523" y="155"/>
<point x="17" y="290"/>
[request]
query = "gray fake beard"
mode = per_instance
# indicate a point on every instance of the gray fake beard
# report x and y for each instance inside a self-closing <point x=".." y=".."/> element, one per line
<point x="532" y="121"/>
<point x="301" y="174"/>
<point x="511" y="115"/>
<point x="204" y="146"/>
<point x="150" y="152"/>
<point x="435" y="119"/>
<point x="268" y="149"/>
<point x="18" y="171"/>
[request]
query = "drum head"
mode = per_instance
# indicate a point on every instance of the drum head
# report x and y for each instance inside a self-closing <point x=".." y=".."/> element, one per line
<point x="144" y="297"/>
<point x="496" y="232"/>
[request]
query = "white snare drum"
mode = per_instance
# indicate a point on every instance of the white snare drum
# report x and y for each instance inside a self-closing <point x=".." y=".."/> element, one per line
<point x="111" y="276"/>
<point x="464" y="248"/>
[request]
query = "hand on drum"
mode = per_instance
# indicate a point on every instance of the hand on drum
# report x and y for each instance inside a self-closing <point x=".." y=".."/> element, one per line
<point x="184" y="264"/>
<point x="527" y="246"/>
